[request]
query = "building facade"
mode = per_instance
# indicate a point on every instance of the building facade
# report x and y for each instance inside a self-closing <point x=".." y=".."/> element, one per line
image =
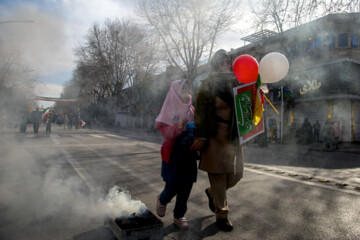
<point x="323" y="81"/>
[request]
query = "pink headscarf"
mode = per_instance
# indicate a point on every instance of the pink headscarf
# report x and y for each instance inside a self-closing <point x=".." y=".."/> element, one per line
<point x="173" y="109"/>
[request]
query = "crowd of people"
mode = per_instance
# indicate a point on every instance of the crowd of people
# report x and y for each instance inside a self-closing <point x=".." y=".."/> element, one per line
<point x="37" y="117"/>
<point x="332" y="135"/>
<point x="331" y="132"/>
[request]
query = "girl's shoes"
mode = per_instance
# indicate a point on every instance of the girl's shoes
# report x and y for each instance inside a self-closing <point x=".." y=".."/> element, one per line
<point x="181" y="223"/>
<point x="160" y="209"/>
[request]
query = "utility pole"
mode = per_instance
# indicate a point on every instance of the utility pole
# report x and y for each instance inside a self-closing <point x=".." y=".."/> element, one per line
<point x="282" y="114"/>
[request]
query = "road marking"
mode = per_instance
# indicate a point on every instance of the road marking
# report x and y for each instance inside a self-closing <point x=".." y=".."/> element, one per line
<point x="148" y="144"/>
<point x="55" y="140"/>
<point x="111" y="161"/>
<point x="113" y="135"/>
<point x="76" y="166"/>
<point x="97" y="136"/>
<point x="304" y="182"/>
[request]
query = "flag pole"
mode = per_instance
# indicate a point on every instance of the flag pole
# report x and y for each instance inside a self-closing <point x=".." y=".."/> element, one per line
<point x="271" y="104"/>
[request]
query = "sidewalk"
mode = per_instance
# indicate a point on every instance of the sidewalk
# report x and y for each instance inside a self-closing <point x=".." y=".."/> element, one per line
<point x="339" y="168"/>
<point x="343" y="147"/>
<point x="319" y="146"/>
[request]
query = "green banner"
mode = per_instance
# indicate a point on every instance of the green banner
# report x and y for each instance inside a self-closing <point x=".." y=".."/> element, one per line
<point x="243" y="102"/>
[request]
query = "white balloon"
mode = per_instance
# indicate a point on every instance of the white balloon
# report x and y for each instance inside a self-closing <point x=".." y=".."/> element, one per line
<point x="273" y="67"/>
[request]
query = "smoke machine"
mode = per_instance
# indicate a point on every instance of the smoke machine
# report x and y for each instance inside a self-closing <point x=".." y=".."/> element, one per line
<point x="137" y="227"/>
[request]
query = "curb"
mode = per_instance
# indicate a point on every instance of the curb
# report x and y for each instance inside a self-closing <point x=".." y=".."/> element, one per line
<point x="306" y="177"/>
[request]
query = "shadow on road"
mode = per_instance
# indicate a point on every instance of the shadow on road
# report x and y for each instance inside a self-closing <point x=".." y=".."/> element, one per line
<point x="96" y="234"/>
<point x="292" y="211"/>
<point x="195" y="231"/>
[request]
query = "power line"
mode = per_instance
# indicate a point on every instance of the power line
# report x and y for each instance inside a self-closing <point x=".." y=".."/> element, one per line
<point x="19" y="21"/>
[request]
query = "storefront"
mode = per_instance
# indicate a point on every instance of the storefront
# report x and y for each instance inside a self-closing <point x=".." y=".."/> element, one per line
<point x="326" y="91"/>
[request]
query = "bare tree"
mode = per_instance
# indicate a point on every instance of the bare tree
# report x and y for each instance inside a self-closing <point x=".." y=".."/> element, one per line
<point x="17" y="82"/>
<point x="280" y="15"/>
<point x="13" y="72"/>
<point x="112" y="58"/>
<point x="339" y="6"/>
<point x="188" y="29"/>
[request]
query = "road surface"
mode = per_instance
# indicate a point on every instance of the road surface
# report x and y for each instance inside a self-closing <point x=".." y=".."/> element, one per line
<point x="55" y="187"/>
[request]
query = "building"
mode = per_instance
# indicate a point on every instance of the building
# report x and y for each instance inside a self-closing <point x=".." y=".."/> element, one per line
<point x="323" y="81"/>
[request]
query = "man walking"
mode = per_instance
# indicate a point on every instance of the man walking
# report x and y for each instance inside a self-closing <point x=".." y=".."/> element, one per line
<point x="36" y="117"/>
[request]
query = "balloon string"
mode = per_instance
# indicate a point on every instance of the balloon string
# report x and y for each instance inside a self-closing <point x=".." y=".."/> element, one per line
<point x="271" y="104"/>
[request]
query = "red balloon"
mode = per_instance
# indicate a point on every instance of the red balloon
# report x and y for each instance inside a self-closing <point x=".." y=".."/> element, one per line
<point x="246" y="68"/>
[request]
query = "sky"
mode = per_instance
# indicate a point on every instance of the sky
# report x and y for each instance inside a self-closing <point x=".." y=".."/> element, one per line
<point x="47" y="32"/>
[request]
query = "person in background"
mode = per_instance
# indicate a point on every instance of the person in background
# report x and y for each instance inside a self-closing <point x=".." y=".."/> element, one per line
<point x="37" y="118"/>
<point x="337" y="135"/>
<point x="70" y="121"/>
<point x="66" y="121"/>
<point x="305" y="132"/>
<point x="217" y="137"/>
<point x="179" y="168"/>
<point x="48" y="121"/>
<point x="316" y="128"/>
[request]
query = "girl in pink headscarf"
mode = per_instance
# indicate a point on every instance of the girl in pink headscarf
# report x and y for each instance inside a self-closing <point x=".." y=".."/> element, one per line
<point x="179" y="168"/>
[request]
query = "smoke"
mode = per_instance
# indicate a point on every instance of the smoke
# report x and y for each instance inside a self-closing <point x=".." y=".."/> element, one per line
<point x="53" y="29"/>
<point x="42" y="40"/>
<point x="118" y="203"/>
<point x="42" y="189"/>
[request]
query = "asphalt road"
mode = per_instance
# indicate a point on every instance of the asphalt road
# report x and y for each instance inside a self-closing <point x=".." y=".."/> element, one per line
<point x="56" y="187"/>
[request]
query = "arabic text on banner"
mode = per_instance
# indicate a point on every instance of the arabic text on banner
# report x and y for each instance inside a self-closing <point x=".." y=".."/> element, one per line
<point x="244" y="97"/>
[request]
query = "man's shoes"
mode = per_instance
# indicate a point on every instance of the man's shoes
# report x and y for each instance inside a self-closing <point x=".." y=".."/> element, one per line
<point x="211" y="201"/>
<point x="224" y="224"/>
<point x="181" y="223"/>
<point x="160" y="209"/>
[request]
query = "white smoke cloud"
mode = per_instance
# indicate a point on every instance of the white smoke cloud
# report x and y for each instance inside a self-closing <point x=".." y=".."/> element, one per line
<point x="42" y="42"/>
<point x="118" y="203"/>
<point x="35" y="190"/>
<point x="48" y="90"/>
<point x="48" y="41"/>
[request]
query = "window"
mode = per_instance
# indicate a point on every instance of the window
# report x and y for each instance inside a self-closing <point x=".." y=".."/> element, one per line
<point x="317" y="43"/>
<point x="330" y="41"/>
<point x="309" y="45"/>
<point x="343" y="40"/>
<point x="354" y="40"/>
<point x="293" y="50"/>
